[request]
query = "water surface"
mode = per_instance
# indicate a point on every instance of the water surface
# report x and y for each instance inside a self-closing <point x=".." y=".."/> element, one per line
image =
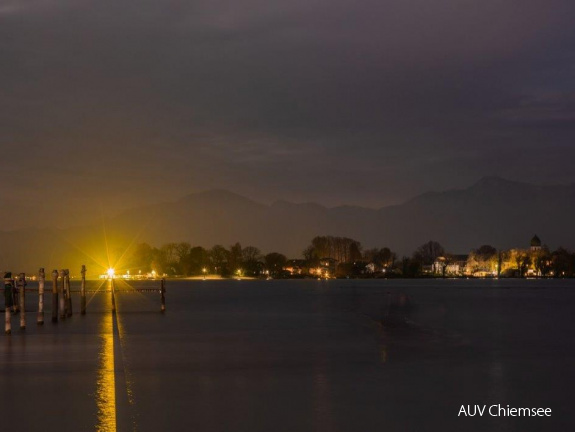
<point x="305" y="355"/>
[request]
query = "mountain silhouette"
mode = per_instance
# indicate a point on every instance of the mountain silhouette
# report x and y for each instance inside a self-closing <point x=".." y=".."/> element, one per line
<point x="492" y="211"/>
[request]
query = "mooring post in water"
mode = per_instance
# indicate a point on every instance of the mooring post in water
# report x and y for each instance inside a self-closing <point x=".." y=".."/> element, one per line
<point x="22" y="289"/>
<point x="113" y="289"/>
<point x="83" y="291"/>
<point x="55" y="296"/>
<point x="8" y="300"/>
<point x="68" y="294"/>
<point x="16" y="298"/>
<point x="62" y="295"/>
<point x="163" y="294"/>
<point x="41" y="280"/>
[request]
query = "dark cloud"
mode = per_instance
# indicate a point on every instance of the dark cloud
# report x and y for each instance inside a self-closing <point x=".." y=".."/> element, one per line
<point x="116" y="103"/>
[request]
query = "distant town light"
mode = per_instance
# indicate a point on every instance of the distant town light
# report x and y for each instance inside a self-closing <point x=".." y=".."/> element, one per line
<point x="111" y="273"/>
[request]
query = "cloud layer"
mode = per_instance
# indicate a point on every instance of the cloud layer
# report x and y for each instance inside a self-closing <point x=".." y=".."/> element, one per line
<point x="115" y="103"/>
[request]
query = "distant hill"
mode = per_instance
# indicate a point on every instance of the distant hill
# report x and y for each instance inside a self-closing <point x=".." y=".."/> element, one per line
<point x="493" y="211"/>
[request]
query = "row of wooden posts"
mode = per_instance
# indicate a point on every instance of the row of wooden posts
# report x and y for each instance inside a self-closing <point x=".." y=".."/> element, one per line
<point x="61" y="297"/>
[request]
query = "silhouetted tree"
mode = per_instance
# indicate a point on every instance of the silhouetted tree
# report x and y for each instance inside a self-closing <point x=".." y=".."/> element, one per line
<point x="171" y="255"/>
<point x="235" y="258"/>
<point x="311" y="257"/>
<point x="182" y="252"/>
<point x="542" y="261"/>
<point x="341" y="249"/>
<point x="219" y="258"/>
<point x="484" y="259"/>
<point x="142" y="257"/>
<point x="198" y="259"/>
<point x="159" y="261"/>
<point x="354" y="252"/>
<point x="428" y="252"/>
<point x="522" y="261"/>
<point x="275" y="263"/>
<point x="251" y="260"/>
<point x="410" y="267"/>
<point x="382" y="258"/>
<point x="562" y="263"/>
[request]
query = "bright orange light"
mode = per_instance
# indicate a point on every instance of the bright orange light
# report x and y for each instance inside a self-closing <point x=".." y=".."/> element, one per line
<point x="111" y="273"/>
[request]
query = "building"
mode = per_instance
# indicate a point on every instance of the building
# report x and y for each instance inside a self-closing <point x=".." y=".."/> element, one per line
<point x="535" y="244"/>
<point x="295" y="266"/>
<point x="325" y="269"/>
<point x="453" y="265"/>
<point x="457" y="265"/>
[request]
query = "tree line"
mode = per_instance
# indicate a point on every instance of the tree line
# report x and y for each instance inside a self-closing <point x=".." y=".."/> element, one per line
<point x="333" y="256"/>
<point x="183" y="259"/>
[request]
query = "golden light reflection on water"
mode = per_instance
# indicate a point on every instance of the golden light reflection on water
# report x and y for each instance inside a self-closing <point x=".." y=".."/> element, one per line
<point x="106" y="386"/>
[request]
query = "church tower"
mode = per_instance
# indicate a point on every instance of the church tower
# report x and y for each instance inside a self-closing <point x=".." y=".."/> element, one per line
<point x="535" y="244"/>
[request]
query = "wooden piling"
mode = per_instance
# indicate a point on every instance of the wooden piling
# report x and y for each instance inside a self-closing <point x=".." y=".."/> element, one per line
<point x="163" y="294"/>
<point x="83" y="292"/>
<point x="62" y="294"/>
<point x="68" y="294"/>
<point x="22" y="290"/>
<point x="55" y="296"/>
<point x="15" y="296"/>
<point x="8" y="299"/>
<point x="41" y="281"/>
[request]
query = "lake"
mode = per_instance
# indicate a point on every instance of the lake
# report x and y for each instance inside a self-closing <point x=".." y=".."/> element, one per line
<point x="296" y="355"/>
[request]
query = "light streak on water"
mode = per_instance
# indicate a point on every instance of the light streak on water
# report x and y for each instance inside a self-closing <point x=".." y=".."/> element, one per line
<point x="106" y="385"/>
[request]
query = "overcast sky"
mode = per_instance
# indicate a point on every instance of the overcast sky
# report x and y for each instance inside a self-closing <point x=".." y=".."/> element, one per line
<point x="112" y="103"/>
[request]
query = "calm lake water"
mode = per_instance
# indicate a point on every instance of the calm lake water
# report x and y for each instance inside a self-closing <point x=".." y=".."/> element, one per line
<point x="339" y="355"/>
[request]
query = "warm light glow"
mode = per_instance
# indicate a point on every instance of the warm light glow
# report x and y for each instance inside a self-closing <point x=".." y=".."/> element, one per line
<point x="111" y="273"/>
<point x="106" y="385"/>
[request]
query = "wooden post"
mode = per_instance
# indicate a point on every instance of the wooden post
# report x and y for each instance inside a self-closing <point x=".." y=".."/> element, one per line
<point x="68" y="294"/>
<point x="8" y="299"/>
<point x="163" y="294"/>
<point x="15" y="296"/>
<point x="62" y="294"/>
<point x="83" y="291"/>
<point x="22" y="289"/>
<point x="55" y="296"/>
<point x="113" y="285"/>
<point x="41" y="280"/>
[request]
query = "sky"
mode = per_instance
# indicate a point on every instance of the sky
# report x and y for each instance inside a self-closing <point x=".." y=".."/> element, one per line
<point x="107" y="105"/>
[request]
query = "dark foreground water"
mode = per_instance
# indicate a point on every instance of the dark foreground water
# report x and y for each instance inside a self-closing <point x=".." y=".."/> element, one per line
<point x="297" y="356"/>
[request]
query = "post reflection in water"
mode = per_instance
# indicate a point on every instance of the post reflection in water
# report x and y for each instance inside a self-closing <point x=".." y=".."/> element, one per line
<point x="322" y="396"/>
<point x="106" y="386"/>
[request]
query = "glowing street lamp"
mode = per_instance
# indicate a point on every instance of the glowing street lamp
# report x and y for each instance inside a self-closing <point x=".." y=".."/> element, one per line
<point x="111" y="273"/>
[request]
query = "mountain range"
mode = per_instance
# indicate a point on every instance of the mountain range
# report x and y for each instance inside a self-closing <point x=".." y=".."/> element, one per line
<point x="493" y="211"/>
